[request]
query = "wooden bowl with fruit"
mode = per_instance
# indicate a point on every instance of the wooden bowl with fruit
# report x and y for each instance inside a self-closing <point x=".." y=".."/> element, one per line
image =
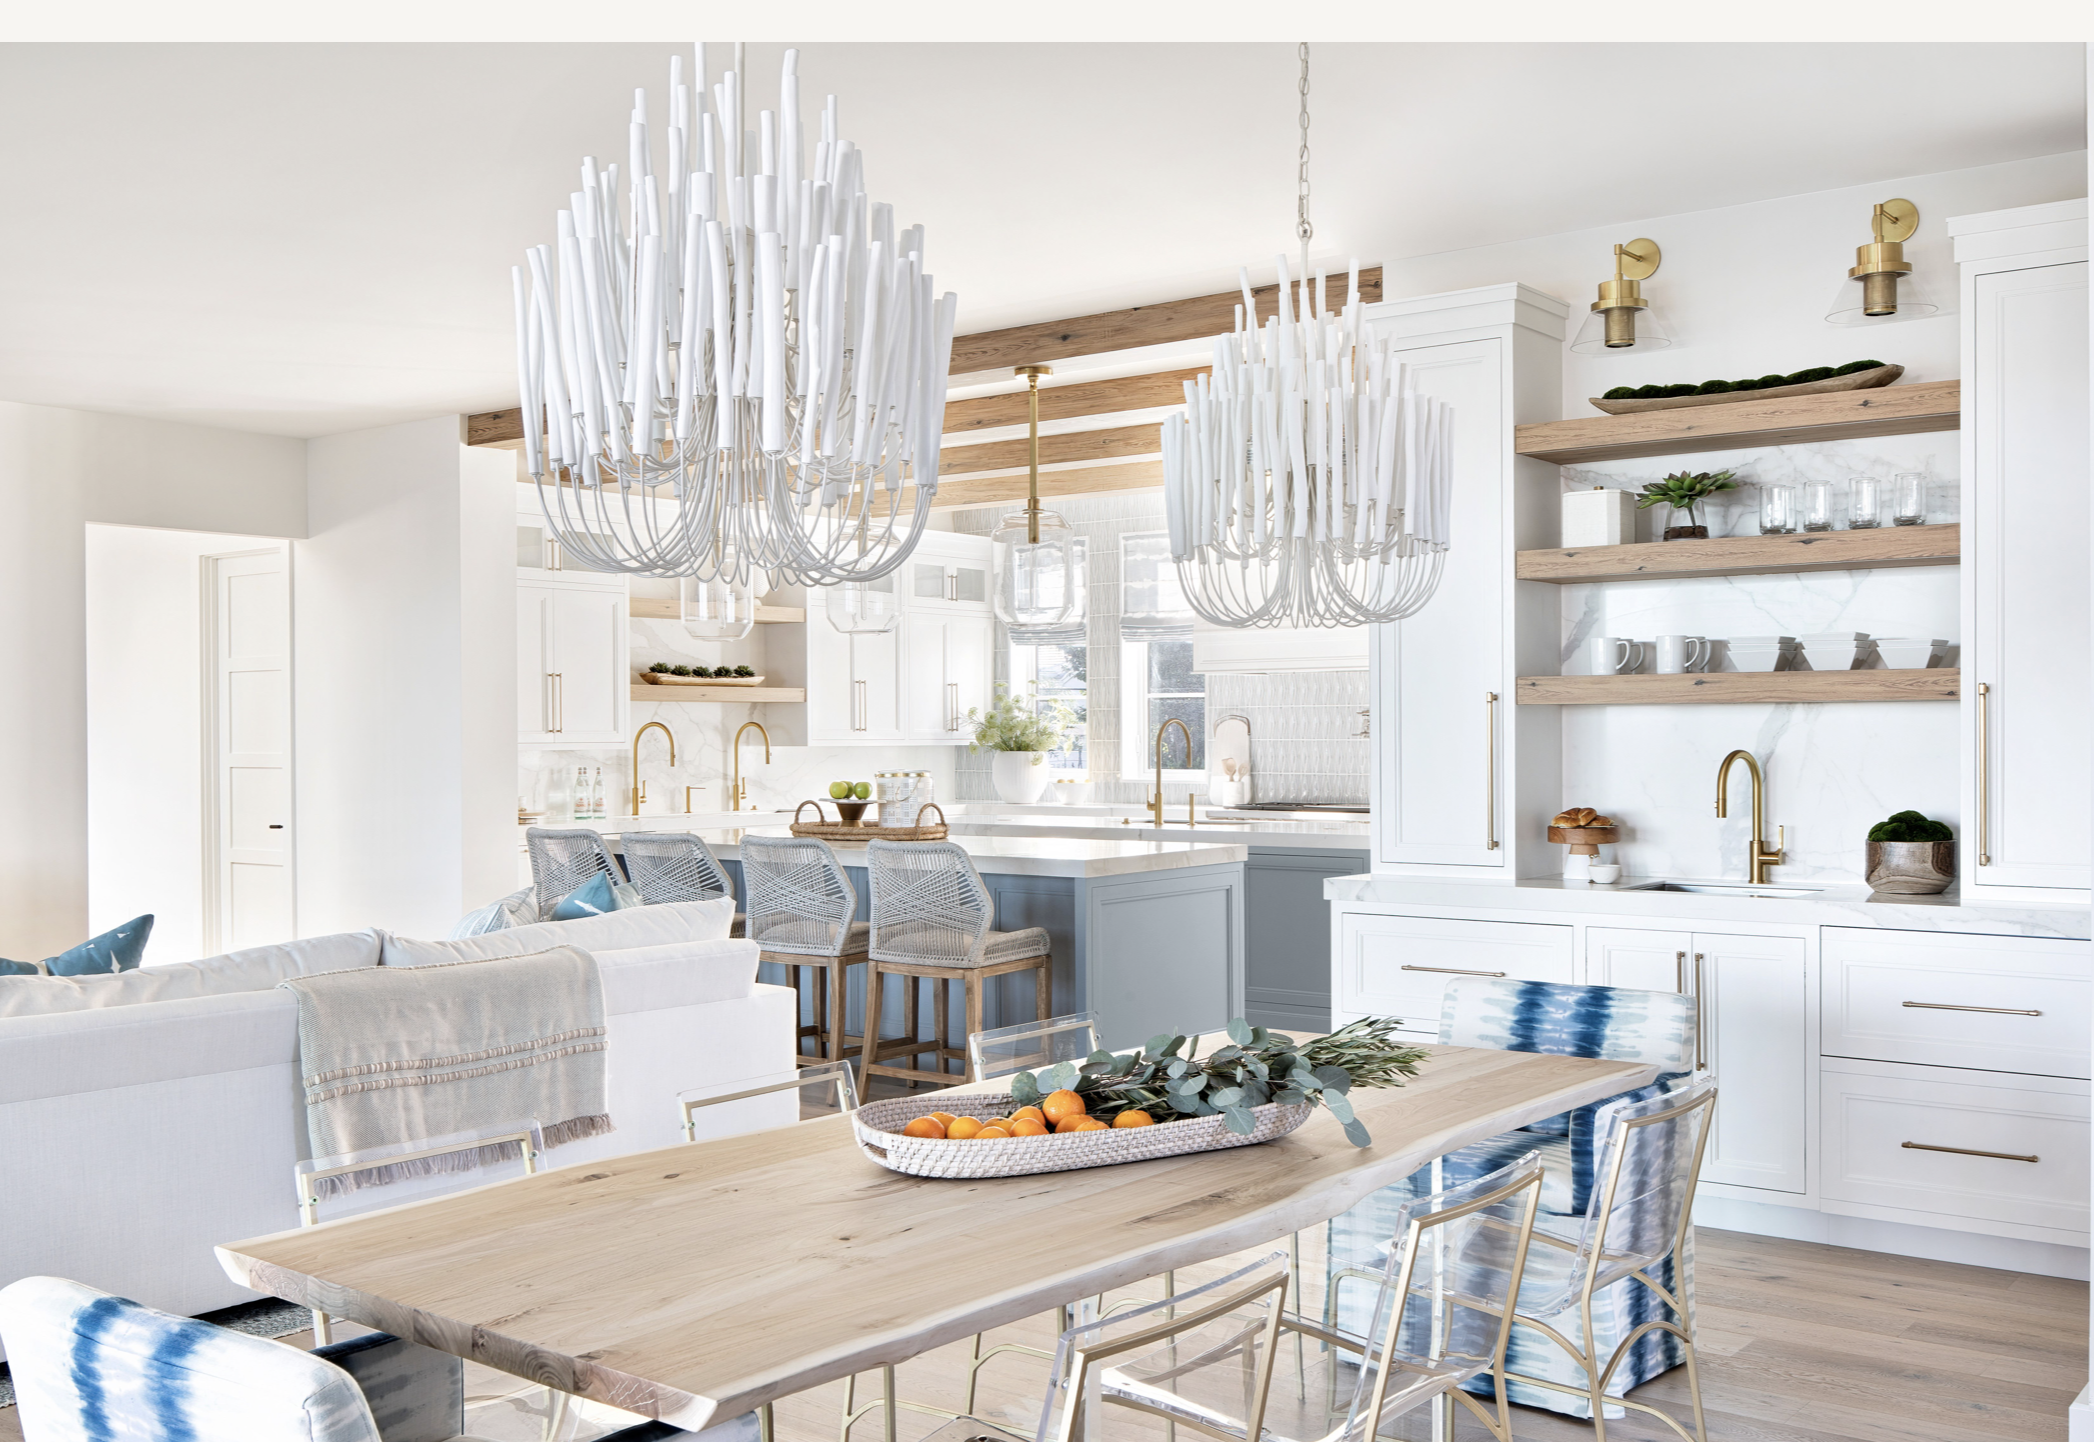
<point x="1584" y="828"/>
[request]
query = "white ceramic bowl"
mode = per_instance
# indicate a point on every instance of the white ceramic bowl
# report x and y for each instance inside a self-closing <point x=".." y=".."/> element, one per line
<point x="1757" y="658"/>
<point x="1909" y="653"/>
<point x="1836" y="651"/>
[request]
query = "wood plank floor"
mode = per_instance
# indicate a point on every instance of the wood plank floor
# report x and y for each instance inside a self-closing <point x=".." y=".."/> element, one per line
<point x="1799" y="1343"/>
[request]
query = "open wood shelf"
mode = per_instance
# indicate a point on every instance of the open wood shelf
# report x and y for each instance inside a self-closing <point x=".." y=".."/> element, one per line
<point x="1723" y="687"/>
<point x="1797" y="420"/>
<point x="744" y="695"/>
<point x="1747" y="555"/>
<point x="659" y="609"/>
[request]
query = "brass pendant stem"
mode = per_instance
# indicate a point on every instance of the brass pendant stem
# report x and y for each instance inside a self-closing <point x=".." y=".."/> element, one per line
<point x="1032" y="376"/>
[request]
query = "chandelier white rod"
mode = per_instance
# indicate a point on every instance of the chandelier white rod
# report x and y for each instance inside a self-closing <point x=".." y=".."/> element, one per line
<point x="735" y="366"/>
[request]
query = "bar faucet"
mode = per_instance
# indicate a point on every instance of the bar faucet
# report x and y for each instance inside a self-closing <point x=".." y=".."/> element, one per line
<point x="738" y="790"/>
<point x="1760" y="857"/>
<point x="1156" y="801"/>
<point x="639" y="792"/>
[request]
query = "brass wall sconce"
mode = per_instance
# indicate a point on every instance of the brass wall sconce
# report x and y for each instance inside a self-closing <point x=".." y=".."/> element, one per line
<point x="1623" y="318"/>
<point x="1871" y="292"/>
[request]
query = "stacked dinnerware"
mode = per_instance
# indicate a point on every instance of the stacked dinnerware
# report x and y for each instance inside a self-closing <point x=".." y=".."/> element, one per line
<point x="1910" y="653"/>
<point x="1761" y="653"/>
<point x="1833" y="651"/>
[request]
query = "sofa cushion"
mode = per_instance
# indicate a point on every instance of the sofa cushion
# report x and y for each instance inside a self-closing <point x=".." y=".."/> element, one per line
<point x="638" y="926"/>
<point x="120" y="948"/>
<point x="683" y="973"/>
<point x="258" y="968"/>
<point x="518" y="908"/>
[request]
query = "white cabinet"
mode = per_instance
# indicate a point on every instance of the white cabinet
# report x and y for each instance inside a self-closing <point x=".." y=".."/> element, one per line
<point x="1752" y="1008"/>
<point x="948" y="572"/>
<point x="571" y="681"/>
<point x="1400" y="965"/>
<point x="1460" y="780"/>
<point x="2026" y="642"/>
<point x="949" y="661"/>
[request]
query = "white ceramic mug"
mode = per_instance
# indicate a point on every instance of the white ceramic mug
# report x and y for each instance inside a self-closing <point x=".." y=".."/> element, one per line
<point x="1614" y="655"/>
<point x="1678" y="655"/>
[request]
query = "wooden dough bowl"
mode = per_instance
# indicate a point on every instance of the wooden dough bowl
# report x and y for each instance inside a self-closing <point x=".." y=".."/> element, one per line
<point x="1857" y="381"/>
<point x="1584" y="840"/>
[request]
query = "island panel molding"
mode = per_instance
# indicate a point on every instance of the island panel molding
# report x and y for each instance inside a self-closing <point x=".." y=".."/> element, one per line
<point x="1072" y="402"/>
<point x="1798" y="420"/>
<point x="1723" y="687"/>
<point x="584" y="1278"/>
<point x="1883" y="547"/>
<point x="1196" y="318"/>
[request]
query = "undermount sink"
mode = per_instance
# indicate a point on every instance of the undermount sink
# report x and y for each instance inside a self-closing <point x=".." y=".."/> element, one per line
<point x="1726" y="888"/>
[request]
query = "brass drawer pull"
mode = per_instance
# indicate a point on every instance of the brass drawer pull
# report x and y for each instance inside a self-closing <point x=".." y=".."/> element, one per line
<point x="1451" y="970"/>
<point x="1983" y="767"/>
<point x="1490" y="783"/>
<point x="1992" y="1010"/>
<point x="1968" y="1152"/>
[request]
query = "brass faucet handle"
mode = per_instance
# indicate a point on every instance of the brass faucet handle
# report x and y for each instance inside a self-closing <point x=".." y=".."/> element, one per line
<point x="1781" y="846"/>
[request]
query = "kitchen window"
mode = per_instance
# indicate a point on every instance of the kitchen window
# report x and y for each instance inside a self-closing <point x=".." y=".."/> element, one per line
<point x="1157" y="682"/>
<point x="1058" y="673"/>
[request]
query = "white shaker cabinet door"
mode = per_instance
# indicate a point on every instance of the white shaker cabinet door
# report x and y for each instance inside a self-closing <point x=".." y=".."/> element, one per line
<point x="1643" y="960"/>
<point x="2026" y="664"/>
<point x="1400" y="965"/>
<point x="970" y="662"/>
<point x="1753" y="1008"/>
<point x="534" y="665"/>
<point x="588" y="653"/>
<point x="1440" y="686"/>
<point x="875" y="691"/>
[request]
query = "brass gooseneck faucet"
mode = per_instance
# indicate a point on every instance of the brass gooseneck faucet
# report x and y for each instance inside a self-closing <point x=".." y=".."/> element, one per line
<point x="639" y="792"/>
<point x="1760" y="857"/>
<point x="738" y="790"/>
<point x="1156" y="801"/>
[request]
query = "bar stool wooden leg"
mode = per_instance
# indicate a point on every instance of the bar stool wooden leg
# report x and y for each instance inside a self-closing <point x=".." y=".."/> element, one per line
<point x="972" y="988"/>
<point x="873" y="981"/>
<point x="821" y="1012"/>
<point x="839" y="1001"/>
<point x="1042" y="986"/>
<point x="913" y="1021"/>
<point x="941" y="997"/>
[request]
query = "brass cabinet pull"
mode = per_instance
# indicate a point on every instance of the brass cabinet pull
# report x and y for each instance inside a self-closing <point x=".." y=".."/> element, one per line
<point x="1679" y="961"/>
<point x="861" y="706"/>
<point x="545" y="694"/>
<point x="1984" y="765"/>
<point x="1701" y="1020"/>
<point x="559" y="702"/>
<point x="952" y="704"/>
<point x="1451" y="971"/>
<point x="1490" y="771"/>
<point x="1969" y="1152"/>
<point x="1991" y="1010"/>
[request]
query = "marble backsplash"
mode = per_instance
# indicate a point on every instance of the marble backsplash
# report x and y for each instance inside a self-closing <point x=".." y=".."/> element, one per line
<point x="1832" y="770"/>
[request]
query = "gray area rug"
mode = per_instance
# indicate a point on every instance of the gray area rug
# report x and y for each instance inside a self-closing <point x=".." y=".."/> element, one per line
<point x="268" y="1317"/>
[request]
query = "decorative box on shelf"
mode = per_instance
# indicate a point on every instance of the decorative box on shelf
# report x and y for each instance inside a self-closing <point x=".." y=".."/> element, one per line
<point x="1602" y="516"/>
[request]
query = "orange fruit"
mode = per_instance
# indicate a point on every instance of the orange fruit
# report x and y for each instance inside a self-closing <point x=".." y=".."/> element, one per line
<point x="1134" y="1117"/>
<point x="961" y="1128"/>
<point x="1088" y="1124"/>
<point x="1027" y="1127"/>
<point x="945" y="1119"/>
<point x="924" y="1127"/>
<point x="1062" y="1104"/>
<point x="990" y="1131"/>
<point x="1070" y="1124"/>
<point x="1028" y="1114"/>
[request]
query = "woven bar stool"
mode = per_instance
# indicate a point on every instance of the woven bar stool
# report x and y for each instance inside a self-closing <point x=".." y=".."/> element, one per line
<point x="931" y="919"/>
<point x="564" y="858"/>
<point x="677" y="866"/>
<point x="800" y="906"/>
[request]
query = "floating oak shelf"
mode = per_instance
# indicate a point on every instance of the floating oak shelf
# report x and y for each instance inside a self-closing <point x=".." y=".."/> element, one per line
<point x="1797" y="420"/>
<point x="742" y="695"/>
<point x="1721" y="687"/>
<point x="660" y="609"/>
<point x="1746" y="555"/>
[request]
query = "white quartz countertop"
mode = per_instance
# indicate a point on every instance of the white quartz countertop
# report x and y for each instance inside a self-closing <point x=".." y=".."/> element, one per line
<point x="1023" y="855"/>
<point x="1305" y="835"/>
<point x="1831" y="906"/>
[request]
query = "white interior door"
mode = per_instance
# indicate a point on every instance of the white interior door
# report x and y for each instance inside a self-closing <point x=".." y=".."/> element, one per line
<point x="249" y="893"/>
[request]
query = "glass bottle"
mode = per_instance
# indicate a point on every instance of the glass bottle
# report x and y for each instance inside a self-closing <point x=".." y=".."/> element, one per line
<point x="578" y="806"/>
<point x="596" y="796"/>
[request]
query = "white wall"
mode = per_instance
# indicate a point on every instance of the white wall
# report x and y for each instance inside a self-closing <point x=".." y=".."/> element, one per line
<point x="405" y="639"/>
<point x="59" y="471"/>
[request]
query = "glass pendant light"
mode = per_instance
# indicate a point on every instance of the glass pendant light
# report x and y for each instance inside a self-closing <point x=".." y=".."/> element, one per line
<point x="1881" y="288"/>
<point x="1622" y="318"/>
<point x="862" y="608"/>
<point x="721" y="608"/>
<point x="1042" y="567"/>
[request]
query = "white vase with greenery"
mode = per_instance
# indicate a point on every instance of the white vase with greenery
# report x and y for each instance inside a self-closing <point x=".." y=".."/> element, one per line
<point x="1021" y="733"/>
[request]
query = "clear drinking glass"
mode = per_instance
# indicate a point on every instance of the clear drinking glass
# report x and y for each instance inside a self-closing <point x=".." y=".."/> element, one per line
<point x="1864" y="503"/>
<point x="1817" y="505"/>
<point x="1777" y="510"/>
<point x="1910" y="506"/>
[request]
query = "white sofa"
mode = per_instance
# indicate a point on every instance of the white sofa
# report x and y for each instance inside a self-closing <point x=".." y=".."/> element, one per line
<point x="147" y="1116"/>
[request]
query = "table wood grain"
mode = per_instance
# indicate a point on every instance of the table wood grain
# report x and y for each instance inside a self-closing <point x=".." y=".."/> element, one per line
<point x="701" y="1280"/>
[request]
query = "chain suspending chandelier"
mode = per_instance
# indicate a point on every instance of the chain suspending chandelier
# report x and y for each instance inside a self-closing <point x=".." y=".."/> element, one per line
<point x="737" y="366"/>
<point x="1308" y="481"/>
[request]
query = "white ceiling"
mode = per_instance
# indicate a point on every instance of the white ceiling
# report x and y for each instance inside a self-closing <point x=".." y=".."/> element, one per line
<point x="304" y="239"/>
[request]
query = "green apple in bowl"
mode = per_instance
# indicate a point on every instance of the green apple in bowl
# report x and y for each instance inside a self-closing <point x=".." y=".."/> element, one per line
<point x="863" y="791"/>
<point x="839" y="790"/>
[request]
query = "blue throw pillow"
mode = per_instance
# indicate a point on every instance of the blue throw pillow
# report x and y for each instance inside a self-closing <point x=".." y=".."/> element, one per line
<point x="118" y="949"/>
<point x="593" y="897"/>
<point x="17" y="968"/>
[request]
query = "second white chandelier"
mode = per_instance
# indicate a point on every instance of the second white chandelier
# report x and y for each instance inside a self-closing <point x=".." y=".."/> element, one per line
<point x="739" y="365"/>
<point x="1308" y="481"/>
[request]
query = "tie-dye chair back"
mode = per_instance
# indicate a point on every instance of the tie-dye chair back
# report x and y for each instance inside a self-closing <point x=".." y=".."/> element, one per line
<point x="1616" y="1023"/>
<point x="89" y="1367"/>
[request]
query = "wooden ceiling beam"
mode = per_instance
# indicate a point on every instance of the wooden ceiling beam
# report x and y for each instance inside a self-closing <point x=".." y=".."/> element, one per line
<point x="1108" y="445"/>
<point x="1082" y="481"/>
<point x="1171" y="321"/>
<point x="1073" y="402"/>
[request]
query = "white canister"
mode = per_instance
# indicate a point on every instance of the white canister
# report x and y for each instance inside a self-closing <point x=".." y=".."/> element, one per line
<point x="901" y="795"/>
<point x="1601" y="516"/>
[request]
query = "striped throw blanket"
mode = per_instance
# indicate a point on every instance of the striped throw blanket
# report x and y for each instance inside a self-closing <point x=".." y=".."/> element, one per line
<point x="390" y="1055"/>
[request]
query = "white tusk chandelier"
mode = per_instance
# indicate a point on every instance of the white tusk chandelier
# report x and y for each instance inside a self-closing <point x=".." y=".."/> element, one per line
<point x="736" y="367"/>
<point x="1308" y="482"/>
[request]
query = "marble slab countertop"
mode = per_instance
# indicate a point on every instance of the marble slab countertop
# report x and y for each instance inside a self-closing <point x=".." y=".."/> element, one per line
<point x="1021" y="855"/>
<point x="1830" y="906"/>
<point x="1303" y="835"/>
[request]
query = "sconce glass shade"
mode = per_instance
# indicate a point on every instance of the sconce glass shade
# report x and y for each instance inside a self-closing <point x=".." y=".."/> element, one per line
<point x="1042" y="588"/>
<point x="864" y="608"/>
<point x="721" y="609"/>
<point x="1648" y="331"/>
<point x="1908" y="293"/>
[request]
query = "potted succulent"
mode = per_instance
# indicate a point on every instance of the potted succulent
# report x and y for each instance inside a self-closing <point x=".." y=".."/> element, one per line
<point x="1685" y="491"/>
<point x="1020" y="733"/>
<point x="1909" y="855"/>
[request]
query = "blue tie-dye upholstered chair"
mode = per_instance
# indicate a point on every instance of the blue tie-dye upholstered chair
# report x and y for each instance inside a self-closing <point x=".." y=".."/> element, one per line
<point x="1612" y="1023"/>
<point x="89" y="1367"/>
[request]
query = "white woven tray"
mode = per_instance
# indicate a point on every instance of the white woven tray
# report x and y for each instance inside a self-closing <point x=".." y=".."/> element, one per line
<point x="878" y="1126"/>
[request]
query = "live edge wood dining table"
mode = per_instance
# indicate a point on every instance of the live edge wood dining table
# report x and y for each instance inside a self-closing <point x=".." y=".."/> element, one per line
<point x="696" y="1282"/>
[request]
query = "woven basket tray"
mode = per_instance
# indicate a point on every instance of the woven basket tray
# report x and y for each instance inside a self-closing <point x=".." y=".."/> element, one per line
<point x="879" y="1124"/>
<point x="851" y="831"/>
